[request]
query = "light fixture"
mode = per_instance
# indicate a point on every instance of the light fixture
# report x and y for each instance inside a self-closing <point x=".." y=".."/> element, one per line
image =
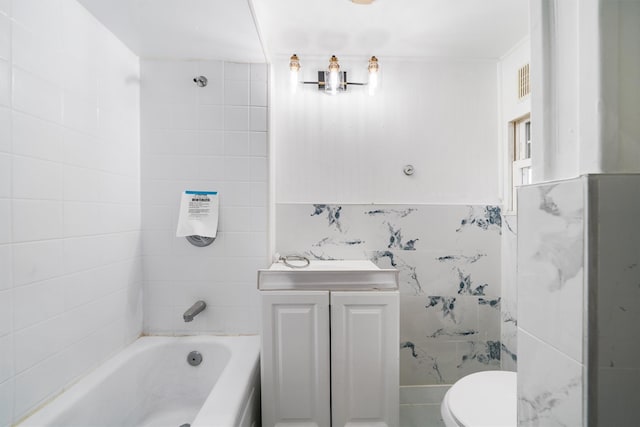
<point x="294" y="67"/>
<point x="333" y="80"/>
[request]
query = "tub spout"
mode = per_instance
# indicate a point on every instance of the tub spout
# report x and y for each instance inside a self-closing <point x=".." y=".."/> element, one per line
<point x="194" y="310"/>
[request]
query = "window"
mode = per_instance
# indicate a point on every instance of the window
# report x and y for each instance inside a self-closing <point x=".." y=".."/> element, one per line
<point x="521" y="156"/>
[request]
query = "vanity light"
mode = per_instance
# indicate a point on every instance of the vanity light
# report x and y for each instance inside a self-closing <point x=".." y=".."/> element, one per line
<point x="333" y="80"/>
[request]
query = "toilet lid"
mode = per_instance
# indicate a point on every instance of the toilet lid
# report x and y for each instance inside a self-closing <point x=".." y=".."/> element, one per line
<point x="485" y="399"/>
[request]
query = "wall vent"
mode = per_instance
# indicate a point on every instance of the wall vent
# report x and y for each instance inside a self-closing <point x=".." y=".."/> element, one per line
<point x="524" y="88"/>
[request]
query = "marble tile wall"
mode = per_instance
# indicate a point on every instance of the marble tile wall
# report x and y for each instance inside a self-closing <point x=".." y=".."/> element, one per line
<point x="508" y="303"/>
<point x="449" y="260"/>
<point x="550" y="276"/>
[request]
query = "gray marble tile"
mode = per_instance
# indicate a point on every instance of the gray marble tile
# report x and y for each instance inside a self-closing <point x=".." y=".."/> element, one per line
<point x="551" y="263"/>
<point x="549" y="385"/>
<point x="420" y="416"/>
<point x="509" y="297"/>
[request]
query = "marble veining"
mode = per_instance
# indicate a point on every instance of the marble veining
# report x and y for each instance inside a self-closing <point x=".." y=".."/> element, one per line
<point x="448" y="259"/>
<point x="467" y="287"/>
<point x="396" y="240"/>
<point x="538" y="410"/>
<point x="333" y="214"/>
<point x="447" y="306"/>
<point x="482" y="352"/>
<point x="386" y="212"/>
<point x="486" y="218"/>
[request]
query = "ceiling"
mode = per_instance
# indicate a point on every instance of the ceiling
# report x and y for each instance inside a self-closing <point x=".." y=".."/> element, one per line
<point x="225" y="29"/>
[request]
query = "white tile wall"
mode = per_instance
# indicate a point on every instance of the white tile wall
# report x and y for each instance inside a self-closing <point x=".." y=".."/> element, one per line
<point x="200" y="138"/>
<point x="70" y="265"/>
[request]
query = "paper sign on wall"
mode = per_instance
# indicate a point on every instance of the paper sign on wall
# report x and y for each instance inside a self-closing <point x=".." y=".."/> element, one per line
<point x="198" y="214"/>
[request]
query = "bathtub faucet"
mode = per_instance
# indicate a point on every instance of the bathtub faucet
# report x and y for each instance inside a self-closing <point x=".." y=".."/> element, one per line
<point x="194" y="310"/>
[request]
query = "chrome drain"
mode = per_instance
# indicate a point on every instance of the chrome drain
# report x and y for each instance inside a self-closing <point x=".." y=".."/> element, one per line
<point x="194" y="358"/>
<point x="186" y="425"/>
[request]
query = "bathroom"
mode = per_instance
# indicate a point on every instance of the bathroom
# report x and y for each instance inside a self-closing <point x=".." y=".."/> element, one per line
<point x="102" y="127"/>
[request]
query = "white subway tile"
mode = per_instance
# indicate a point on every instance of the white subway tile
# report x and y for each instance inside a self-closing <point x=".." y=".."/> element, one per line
<point x="159" y="319"/>
<point x="35" y="385"/>
<point x="259" y="72"/>
<point x="236" y="92"/>
<point x="6" y="358"/>
<point x="259" y="93"/>
<point x="211" y="168"/>
<point x="236" y="169"/>
<point x="259" y="219"/>
<point x="246" y="244"/>
<point x="6" y="393"/>
<point x="82" y="219"/>
<point x="6" y="230"/>
<point x="81" y="149"/>
<point x="155" y="115"/>
<point x="35" y="137"/>
<point x="36" y="53"/>
<point x="5" y="130"/>
<point x="5" y="83"/>
<point x="211" y="117"/>
<point x="236" y="143"/>
<point x="184" y="116"/>
<point x="36" y="261"/>
<point x="171" y="167"/>
<point x="36" y="343"/>
<point x="81" y="184"/>
<point x="80" y="114"/>
<point x="236" y="194"/>
<point x="38" y="302"/>
<point x="236" y="71"/>
<point x="259" y="193"/>
<point x="79" y="76"/>
<point x="211" y="143"/>
<point x="36" y="96"/>
<point x="6" y="267"/>
<point x="258" y="169"/>
<point x="5" y="7"/>
<point x="258" y="144"/>
<point x="236" y="219"/>
<point x="5" y="176"/>
<point x="6" y="311"/>
<point x="258" y="119"/>
<point x="41" y="16"/>
<point x="36" y="179"/>
<point x="5" y="37"/>
<point x="36" y="220"/>
<point x="236" y="118"/>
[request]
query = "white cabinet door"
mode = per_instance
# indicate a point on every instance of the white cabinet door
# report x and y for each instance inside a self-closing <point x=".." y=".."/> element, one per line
<point x="364" y="359"/>
<point x="295" y="359"/>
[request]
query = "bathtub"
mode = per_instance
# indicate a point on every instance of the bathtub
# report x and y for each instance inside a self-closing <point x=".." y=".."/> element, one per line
<point x="150" y="384"/>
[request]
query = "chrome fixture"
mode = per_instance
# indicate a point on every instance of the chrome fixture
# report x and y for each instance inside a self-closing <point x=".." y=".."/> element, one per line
<point x="201" y="81"/>
<point x="333" y="80"/>
<point x="194" y="310"/>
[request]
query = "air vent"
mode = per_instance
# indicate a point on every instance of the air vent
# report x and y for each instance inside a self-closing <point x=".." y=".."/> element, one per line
<point x="524" y="88"/>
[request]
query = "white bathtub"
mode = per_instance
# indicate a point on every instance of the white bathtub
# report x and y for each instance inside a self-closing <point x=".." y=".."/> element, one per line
<point x="150" y="384"/>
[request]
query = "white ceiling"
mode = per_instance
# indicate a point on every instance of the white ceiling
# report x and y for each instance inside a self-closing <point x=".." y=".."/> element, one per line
<point x="225" y="29"/>
<point x="182" y="29"/>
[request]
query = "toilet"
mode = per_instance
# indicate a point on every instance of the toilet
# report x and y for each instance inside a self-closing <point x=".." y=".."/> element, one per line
<point x="483" y="399"/>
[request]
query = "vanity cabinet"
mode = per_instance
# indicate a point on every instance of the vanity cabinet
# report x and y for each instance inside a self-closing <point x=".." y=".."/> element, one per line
<point x="330" y="349"/>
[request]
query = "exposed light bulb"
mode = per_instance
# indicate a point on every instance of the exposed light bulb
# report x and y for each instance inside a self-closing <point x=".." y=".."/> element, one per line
<point x="334" y="78"/>
<point x="294" y="68"/>
<point x="373" y="75"/>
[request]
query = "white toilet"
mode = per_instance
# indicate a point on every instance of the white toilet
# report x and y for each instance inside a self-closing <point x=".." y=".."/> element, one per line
<point x="483" y="399"/>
